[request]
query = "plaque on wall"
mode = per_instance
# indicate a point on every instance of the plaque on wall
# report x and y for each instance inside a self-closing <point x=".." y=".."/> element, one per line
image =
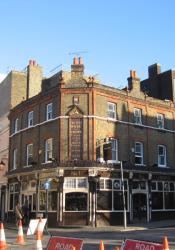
<point x="76" y="138"/>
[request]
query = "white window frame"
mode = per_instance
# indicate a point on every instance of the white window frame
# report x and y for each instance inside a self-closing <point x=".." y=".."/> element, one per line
<point x="16" y="123"/>
<point x="76" y="183"/>
<point x="138" y="154"/>
<point x="15" y="151"/>
<point x="164" y="155"/>
<point x="114" y="148"/>
<point x="116" y="186"/>
<point x="48" y="151"/>
<point x="49" y="111"/>
<point x="160" y="120"/>
<point x="30" y="119"/>
<point x="29" y="154"/>
<point x="137" y="116"/>
<point x="111" y="112"/>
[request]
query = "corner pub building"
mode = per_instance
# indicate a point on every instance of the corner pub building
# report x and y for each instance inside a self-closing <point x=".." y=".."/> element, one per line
<point x="72" y="132"/>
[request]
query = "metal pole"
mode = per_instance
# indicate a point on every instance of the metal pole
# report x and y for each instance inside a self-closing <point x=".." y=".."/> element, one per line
<point x="47" y="208"/>
<point x="123" y="193"/>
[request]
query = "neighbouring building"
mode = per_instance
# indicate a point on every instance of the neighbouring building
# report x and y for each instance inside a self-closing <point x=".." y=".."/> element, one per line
<point x="13" y="90"/>
<point x="72" y="138"/>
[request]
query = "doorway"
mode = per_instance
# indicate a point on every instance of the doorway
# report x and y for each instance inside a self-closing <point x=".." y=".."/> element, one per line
<point x="139" y="201"/>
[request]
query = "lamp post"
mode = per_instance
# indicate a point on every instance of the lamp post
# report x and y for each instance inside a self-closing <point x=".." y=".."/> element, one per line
<point x="123" y="195"/>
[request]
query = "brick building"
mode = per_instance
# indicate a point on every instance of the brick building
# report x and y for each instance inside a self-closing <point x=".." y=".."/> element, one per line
<point x="12" y="92"/>
<point x="68" y="139"/>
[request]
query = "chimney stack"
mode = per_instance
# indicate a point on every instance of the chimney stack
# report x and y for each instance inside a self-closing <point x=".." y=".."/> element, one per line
<point x="77" y="68"/>
<point x="154" y="70"/>
<point x="34" y="79"/>
<point x="133" y="81"/>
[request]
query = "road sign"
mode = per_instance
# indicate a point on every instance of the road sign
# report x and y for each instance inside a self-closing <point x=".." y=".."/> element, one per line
<point x="63" y="243"/>
<point x="140" y="245"/>
<point x="33" y="224"/>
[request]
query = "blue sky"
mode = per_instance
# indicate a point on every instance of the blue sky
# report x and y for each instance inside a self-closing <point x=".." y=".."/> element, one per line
<point x="117" y="35"/>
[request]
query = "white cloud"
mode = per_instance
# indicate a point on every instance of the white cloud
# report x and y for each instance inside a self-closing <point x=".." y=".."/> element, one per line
<point x="2" y="76"/>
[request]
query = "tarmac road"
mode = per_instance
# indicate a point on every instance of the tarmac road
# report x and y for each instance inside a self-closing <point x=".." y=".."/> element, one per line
<point x="92" y="236"/>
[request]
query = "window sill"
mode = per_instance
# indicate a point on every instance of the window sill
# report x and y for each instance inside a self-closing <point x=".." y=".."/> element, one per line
<point x="112" y="162"/>
<point x="111" y="118"/>
<point x="45" y="163"/>
<point x="140" y="165"/>
<point x="163" y="166"/>
<point x="13" y="169"/>
<point x="78" y="211"/>
<point x="27" y="166"/>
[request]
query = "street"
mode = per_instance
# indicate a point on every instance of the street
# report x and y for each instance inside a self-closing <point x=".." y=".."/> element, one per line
<point x="91" y="237"/>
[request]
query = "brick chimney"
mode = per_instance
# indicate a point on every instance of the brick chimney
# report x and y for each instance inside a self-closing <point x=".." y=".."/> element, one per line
<point x="133" y="81"/>
<point x="154" y="70"/>
<point x="77" y="68"/>
<point x="34" y="79"/>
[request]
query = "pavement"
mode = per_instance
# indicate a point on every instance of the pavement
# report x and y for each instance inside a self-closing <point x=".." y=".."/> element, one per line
<point x="130" y="227"/>
<point x="31" y="241"/>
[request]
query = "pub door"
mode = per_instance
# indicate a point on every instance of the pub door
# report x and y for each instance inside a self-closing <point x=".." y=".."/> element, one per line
<point x="139" y="205"/>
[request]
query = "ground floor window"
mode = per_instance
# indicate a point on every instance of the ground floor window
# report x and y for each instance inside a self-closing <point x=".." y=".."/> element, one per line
<point x="163" y="195"/>
<point x="52" y="195"/>
<point x="104" y="200"/>
<point x="169" y="200"/>
<point x="157" y="200"/>
<point x="30" y="200"/>
<point x="110" y="194"/>
<point x="42" y="200"/>
<point x="13" y="195"/>
<point x="76" y="201"/>
<point x="118" y="200"/>
<point x="52" y="200"/>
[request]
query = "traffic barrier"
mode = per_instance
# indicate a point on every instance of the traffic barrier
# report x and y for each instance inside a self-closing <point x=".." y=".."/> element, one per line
<point x="165" y="243"/>
<point x="20" y="237"/>
<point x="38" y="242"/>
<point x="3" y="244"/>
<point x="101" y="247"/>
<point x="39" y="229"/>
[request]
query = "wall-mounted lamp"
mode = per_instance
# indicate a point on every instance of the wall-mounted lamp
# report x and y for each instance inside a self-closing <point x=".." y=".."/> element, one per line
<point x="2" y="165"/>
<point x="149" y="176"/>
<point x="130" y="175"/>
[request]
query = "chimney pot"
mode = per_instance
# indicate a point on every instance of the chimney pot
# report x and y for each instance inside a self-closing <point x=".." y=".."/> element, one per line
<point x="75" y="61"/>
<point x="80" y="60"/>
<point x="133" y="74"/>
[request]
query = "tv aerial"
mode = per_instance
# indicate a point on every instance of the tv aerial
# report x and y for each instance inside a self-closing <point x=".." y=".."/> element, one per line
<point x="78" y="53"/>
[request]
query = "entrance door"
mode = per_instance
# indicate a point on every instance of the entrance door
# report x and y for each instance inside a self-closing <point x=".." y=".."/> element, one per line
<point x="2" y="206"/>
<point x="139" y="207"/>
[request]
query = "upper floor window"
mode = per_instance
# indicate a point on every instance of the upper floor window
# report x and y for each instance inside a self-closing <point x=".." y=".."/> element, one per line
<point x="160" y="120"/>
<point x="30" y="119"/>
<point x="138" y="153"/>
<point x="16" y="125"/>
<point x="29" y="158"/>
<point x="162" y="156"/>
<point x="138" y="116"/>
<point x="14" y="159"/>
<point x="49" y="111"/>
<point x="48" y="149"/>
<point x="110" y="151"/>
<point x="75" y="183"/>
<point x="111" y="110"/>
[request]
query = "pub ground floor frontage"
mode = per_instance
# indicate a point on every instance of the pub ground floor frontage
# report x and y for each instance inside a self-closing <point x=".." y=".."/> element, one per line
<point x="93" y="196"/>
